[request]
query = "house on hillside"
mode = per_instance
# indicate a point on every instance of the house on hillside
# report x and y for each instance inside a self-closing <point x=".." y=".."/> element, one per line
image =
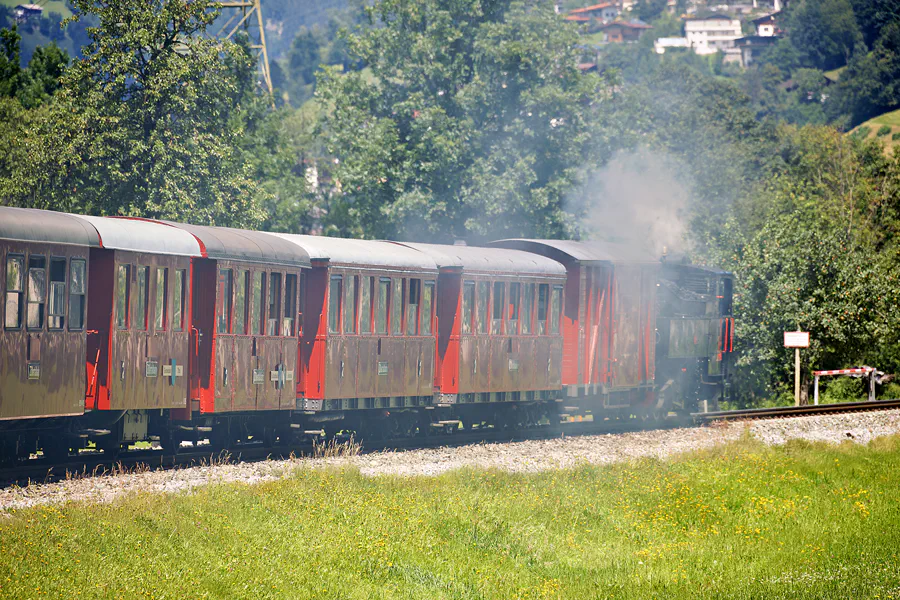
<point x="752" y="46"/>
<point x="23" y="12"/>
<point x="767" y="26"/>
<point x="708" y="35"/>
<point x="618" y="32"/>
<point x="603" y="13"/>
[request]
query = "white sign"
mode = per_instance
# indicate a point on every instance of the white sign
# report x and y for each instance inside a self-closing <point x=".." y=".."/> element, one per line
<point x="796" y="339"/>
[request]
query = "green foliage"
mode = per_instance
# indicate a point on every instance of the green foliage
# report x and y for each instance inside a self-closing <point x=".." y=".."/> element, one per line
<point x="895" y="136"/>
<point x="648" y="10"/>
<point x="472" y="122"/>
<point x="825" y="32"/>
<point x="883" y="130"/>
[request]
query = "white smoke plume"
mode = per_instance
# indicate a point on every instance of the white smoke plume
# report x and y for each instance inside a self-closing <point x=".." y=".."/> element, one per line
<point x="636" y="199"/>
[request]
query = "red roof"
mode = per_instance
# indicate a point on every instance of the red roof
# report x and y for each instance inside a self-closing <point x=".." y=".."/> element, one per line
<point x="578" y="18"/>
<point x="591" y="8"/>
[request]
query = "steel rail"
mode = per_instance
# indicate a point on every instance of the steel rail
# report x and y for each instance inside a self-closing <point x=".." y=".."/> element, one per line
<point x="795" y="411"/>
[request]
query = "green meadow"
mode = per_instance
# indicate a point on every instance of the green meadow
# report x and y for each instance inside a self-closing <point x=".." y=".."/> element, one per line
<point x="741" y="521"/>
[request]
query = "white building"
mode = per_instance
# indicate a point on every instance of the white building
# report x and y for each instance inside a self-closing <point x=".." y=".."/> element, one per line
<point x="708" y="35"/>
<point x="661" y="44"/>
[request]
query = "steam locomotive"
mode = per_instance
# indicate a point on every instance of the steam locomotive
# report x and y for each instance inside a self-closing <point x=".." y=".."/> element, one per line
<point x="121" y="330"/>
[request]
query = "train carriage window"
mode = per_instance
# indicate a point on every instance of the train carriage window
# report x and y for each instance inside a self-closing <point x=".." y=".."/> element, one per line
<point x="483" y="315"/>
<point x="426" y="312"/>
<point x="366" y="296"/>
<point x="555" y="308"/>
<point x="178" y="311"/>
<point x="141" y="304"/>
<point x="398" y="302"/>
<point x="15" y="286"/>
<point x="161" y="306"/>
<point x="335" y="296"/>
<point x="543" y="300"/>
<point x="527" y="308"/>
<point x="512" y="313"/>
<point x="259" y="302"/>
<point x="350" y="305"/>
<point x="56" y="307"/>
<point x="123" y="296"/>
<point x="381" y="311"/>
<point x="241" y="290"/>
<point x="290" y="305"/>
<point x="224" y="301"/>
<point x="77" y="288"/>
<point x="412" y="306"/>
<point x="468" y="303"/>
<point x="37" y="292"/>
<point x="499" y="302"/>
<point x="274" y="311"/>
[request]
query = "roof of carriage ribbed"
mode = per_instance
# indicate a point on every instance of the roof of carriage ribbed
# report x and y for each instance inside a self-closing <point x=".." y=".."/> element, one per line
<point x="33" y="225"/>
<point x="492" y="260"/>
<point x="365" y="253"/>
<point x="589" y="251"/>
<point x="142" y="235"/>
<point x="225" y="243"/>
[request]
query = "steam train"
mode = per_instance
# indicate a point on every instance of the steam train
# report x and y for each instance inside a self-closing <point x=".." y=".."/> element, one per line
<point x="120" y="330"/>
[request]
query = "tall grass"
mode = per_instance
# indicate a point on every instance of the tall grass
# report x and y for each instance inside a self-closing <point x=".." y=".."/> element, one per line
<point x="743" y="521"/>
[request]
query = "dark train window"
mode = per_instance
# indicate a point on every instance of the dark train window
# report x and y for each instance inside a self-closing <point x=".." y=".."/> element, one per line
<point x="366" y="297"/>
<point x="350" y="300"/>
<point x="240" y="302"/>
<point x="527" y="308"/>
<point x="259" y="302"/>
<point x="161" y="307"/>
<point x="426" y="311"/>
<point x="224" y="299"/>
<point x="335" y="294"/>
<point x="37" y="292"/>
<point x="499" y="302"/>
<point x="512" y="313"/>
<point x="290" y="305"/>
<point x="398" y="303"/>
<point x="15" y="286"/>
<point x="483" y="313"/>
<point x="56" y="305"/>
<point x="381" y="311"/>
<point x="274" y="303"/>
<point x="468" y="303"/>
<point x="123" y="296"/>
<point x="77" y="288"/>
<point x="543" y="300"/>
<point x="555" y="308"/>
<point x="178" y="313"/>
<point x="141" y="304"/>
<point x="412" y="306"/>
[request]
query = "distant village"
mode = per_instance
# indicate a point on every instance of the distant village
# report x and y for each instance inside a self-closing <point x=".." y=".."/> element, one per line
<point x="706" y="29"/>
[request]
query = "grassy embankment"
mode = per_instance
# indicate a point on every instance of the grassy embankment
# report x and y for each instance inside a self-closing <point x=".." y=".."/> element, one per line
<point x="885" y="127"/>
<point x="744" y="521"/>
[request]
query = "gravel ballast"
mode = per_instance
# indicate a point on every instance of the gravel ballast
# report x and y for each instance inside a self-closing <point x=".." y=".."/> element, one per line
<point x="524" y="456"/>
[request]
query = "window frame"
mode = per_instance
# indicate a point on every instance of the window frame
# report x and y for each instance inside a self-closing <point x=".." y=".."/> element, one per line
<point x="367" y="281"/>
<point x="273" y="325"/>
<point x="224" y="301"/>
<point x="83" y="294"/>
<point x="556" y="329"/>
<point x="289" y="314"/>
<point x="396" y="327"/>
<point x="498" y="303"/>
<point x="42" y="304"/>
<point x="334" y="324"/>
<point x="164" y="326"/>
<point x="64" y="283"/>
<point x="513" y="308"/>
<point x="20" y="304"/>
<point x="470" y="327"/>
<point x="426" y="317"/>
<point x="180" y="278"/>
<point x="384" y="283"/>
<point x="136" y="298"/>
<point x="242" y="291"/>
<point x="413" y="283"/>
<point x="528" y="301"/>
<point x="483" y="288"/>
<point x="350" y="305"/>
<point x="123" y="300"/>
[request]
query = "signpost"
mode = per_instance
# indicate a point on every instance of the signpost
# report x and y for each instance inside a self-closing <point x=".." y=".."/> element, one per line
<point x="796" y="340"/>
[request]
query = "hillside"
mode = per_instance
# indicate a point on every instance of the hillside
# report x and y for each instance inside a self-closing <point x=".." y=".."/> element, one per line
<point x="885" y="127"/>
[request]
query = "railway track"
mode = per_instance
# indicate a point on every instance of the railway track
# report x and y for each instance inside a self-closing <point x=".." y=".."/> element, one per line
<point x="91" y="464"/>
<point x="88" y="463"/>
<point x="794" y="411"/>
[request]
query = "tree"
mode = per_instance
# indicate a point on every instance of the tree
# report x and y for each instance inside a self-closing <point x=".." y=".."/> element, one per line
<point x="648" y="10"/>
<point x="42" y="77"/>
<point x="10" y="68"/>
<point x="149" y="122"/>
<point x="825" y="32"/>
<point x="471" y="120"/>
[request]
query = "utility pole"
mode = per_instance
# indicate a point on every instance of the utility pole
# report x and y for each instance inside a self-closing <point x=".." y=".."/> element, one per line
<point x="247" y="15"/>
